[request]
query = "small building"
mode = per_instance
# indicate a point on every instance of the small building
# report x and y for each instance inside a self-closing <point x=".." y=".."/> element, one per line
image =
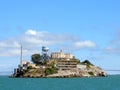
<point x="33" y="65"/>
<point x="81" y="67"/>
<point x="25" y="64"/>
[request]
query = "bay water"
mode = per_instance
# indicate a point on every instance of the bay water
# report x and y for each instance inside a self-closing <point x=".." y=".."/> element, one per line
<point x="111" y="82"/>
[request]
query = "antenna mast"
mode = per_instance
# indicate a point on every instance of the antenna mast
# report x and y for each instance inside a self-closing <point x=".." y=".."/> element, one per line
<point x="21" y="57"/>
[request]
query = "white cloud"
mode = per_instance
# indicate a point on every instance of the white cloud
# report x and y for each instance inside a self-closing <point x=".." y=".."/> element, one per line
<point x="10" y="52"/>
<point x="114" y="45"/>
<point x="9" y="44"/>
<point x="75" y="46"/>
<point x="32" y="41"/>
<point x="31" y="32"/>
<point x="112" y="50"/>
<point x="84" y="44"/>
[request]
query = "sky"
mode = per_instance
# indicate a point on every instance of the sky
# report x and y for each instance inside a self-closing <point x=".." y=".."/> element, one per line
<point x="89" y="29"/>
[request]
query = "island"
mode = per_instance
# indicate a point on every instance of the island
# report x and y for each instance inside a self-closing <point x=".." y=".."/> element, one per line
<point x="56" y="65"/>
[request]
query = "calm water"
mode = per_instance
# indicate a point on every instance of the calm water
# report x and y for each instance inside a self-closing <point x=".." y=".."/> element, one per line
<point x="99" y="83"/>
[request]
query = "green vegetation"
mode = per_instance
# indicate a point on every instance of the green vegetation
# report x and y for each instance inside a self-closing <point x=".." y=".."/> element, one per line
<point x="51" y="70"/>
<point x="87" y="62"/>
<point x="77" y="60"/>
<point x="34" y="72"/>
<point x="28" y="69"/>
<point x="36" y="58"/>
<point x="45" y="62"/>
<point x="91" y="73"/>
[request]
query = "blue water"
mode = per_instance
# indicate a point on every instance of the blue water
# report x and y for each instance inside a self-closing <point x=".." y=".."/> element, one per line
<point x="98" y="83"/>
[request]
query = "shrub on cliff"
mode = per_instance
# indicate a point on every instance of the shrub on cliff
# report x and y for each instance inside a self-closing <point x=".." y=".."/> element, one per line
<point x="49" y="71"/>
<point x="91" y="73"/>
<point x="87" y="62"/>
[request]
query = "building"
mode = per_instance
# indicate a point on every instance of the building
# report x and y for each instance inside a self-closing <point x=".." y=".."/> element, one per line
<point x="81" y="67"/>
<point x="66" y="64"/>
<point x="57" y="55"/>
<point x="68" y="56"/>
<point x="61" y="55"/>
<point x="33" y="65"/>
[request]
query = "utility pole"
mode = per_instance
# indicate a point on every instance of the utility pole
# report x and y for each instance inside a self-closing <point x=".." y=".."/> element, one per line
<point x="21" y="64"/>
<point x="21" y="57"/>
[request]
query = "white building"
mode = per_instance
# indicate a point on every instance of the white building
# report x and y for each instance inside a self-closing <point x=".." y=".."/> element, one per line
<point x="57" y="55"/>
<point x="81" y="67"/>
<point x="61" y="55"/>
<point x="68" y="56"/>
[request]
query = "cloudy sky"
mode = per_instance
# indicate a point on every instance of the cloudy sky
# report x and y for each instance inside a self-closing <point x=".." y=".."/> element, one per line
<point x="88" y="29"/>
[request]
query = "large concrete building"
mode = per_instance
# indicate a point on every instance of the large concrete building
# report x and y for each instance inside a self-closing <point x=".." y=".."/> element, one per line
<point x="66" y="64"/>
<point x="61" y="55"/>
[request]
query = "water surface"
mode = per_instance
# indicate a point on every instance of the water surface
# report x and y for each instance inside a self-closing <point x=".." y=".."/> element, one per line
<point x="98" y="83"/>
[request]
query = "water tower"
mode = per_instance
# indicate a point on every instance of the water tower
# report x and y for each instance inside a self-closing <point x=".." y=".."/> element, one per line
<point x="45" y="55"/>
<point x="45" y="49"/>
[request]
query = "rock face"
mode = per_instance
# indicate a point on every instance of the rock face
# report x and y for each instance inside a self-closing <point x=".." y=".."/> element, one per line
<point x="92" y="71"/>
<point x="35" y="73"/>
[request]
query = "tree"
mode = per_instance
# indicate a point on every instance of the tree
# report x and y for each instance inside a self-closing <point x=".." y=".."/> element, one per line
<point x="36" y="58"/>
<point x="87" y="62"/>
<point x="39" y="59"/>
